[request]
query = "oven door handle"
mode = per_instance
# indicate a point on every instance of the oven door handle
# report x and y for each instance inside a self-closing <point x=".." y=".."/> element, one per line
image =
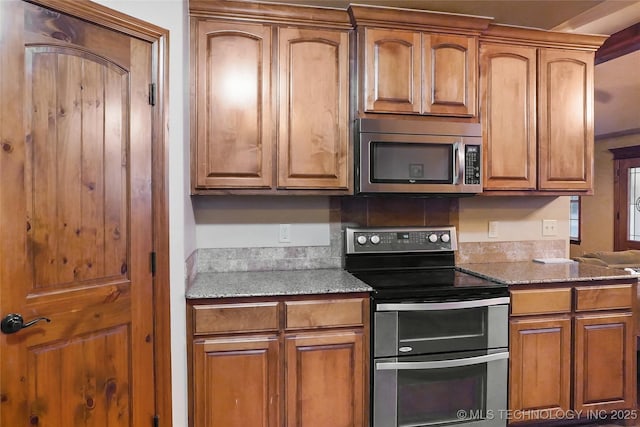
<point x="453" y="305"/>
<point x="439" y="364"/>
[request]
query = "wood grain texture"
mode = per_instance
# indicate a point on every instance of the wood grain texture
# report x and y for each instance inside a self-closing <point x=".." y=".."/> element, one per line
<point x="605" y="362"/>
<point x="508" y="106"/>
<point x="604" y="297"/>
<point x="392" y="71"/>
<point x="540" y="365"/>
<point x="540" y="301"/>
<point x="330" y="313"/>
<point x="450" y="74"/>
<point x="77" y="181"/>
<point x="324" y="379"/>
<point x="565" y="120"/>
<point x="250" y="317"/>
<point x="238" y="382"/>
<point x="232" y="104"/>
<point x="313" y="136"/>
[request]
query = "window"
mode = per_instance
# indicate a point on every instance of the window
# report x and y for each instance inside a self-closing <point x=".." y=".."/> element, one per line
<point x="574" y="219"/>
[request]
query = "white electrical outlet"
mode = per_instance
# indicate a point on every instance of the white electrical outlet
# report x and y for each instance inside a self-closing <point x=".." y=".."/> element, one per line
<point x="549" y="227"/>
<point x="493" y="228"/>
<point x="285" y="233"/>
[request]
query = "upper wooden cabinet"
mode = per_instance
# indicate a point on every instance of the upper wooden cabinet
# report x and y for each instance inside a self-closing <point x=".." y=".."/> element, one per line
<point x="416" y="62"/>
<point x="536" y="98"/>
<point x="270" y="99"/>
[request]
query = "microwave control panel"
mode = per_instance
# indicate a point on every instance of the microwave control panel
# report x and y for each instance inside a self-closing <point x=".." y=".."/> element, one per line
<point x="472" y="164"/>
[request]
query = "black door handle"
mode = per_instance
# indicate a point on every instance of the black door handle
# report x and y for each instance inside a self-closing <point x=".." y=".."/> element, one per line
<point x="12" y="323"/>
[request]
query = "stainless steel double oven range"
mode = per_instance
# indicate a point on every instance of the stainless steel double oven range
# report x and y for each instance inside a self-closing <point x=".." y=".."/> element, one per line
<point x="439" y="336"/>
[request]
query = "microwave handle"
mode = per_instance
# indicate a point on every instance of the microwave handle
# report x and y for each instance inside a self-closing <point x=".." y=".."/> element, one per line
<point x="439" y="364"/>
<point x="459" y="163"/>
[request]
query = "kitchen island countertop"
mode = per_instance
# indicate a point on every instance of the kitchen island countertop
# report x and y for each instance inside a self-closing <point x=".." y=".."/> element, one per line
<point x="274" y="283"/>
<point x="530" y="272"/>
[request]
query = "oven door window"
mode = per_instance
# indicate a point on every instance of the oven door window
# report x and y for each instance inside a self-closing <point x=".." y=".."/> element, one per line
<point x="466" y="388"/>
<point x="428" y="397"/>
<point x="397" y="162"/>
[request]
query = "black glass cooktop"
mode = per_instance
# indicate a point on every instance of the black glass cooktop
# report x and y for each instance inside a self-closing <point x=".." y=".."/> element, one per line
<point x="429" y="285"/>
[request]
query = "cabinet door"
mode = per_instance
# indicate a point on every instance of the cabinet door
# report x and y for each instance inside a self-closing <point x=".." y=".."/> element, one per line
<point x="604" y="362"/>
<point x="313" y="141"/>
<point x="540" y="365"/>
<point x="232" y="90"/>
<point x="508" y="106"/>
<point x="565" y="114"/>
<point x="392" y="75"/>
<point x="450" y="74"/>
<point x="325" y="379"/>
<point x="235" y="382"/>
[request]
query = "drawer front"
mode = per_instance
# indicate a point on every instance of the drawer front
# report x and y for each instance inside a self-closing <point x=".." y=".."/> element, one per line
<point x="325" y="313"/>
<point x="540" y="301"/>
<point x="225" y="318"/>
<point x="589" y="298"/>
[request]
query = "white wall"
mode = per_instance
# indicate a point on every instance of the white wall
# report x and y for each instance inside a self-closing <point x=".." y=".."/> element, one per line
<point x="238" y="222"/>
<point x="518" y="218"/>
<point x="172" y="15"/>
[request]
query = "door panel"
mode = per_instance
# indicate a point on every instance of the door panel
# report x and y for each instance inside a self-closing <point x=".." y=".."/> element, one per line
<point x="313" y="136"/>
<point x="626" y="204"/>
<point x="80" y="228"/>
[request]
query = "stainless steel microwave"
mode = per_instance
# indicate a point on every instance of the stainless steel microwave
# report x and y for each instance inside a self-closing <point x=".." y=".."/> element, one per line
<point x="418" y="157"/>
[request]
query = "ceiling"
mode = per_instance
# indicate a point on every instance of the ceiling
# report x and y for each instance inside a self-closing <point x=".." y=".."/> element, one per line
<point x="587" y="16"/>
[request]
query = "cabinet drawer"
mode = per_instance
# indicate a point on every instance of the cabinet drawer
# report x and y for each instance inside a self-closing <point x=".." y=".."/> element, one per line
<point x="540" y="301"/>
<point x="227" y="318"/>
<point x="317" y="314"/>
<point x="604" y="297"/>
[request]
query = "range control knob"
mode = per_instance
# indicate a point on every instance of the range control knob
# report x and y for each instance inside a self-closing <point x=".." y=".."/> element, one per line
<point x="375" y="239"/>
<point x="432" y="238"/>
<point x="361" y="239"/>
<point x="445" y="238"/>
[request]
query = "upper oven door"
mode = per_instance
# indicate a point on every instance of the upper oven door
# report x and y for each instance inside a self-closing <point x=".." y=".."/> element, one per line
<point x="422" y="328"/>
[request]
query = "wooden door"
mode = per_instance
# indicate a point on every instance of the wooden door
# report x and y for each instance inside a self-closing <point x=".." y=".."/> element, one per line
<point x="392" y="71"/>
<point x="313" y="138"/>
<point x="233" y="128"/>
<point x="540" y="365"/>
<point x="324" y="379"/>
<point x="236" y="382"/>
<point x="76" y="222"/>
<point x="565" y="120"/>
<point x="508" y="110"/>
<point x="604" y="362"/>
<point x="450" y="75"/>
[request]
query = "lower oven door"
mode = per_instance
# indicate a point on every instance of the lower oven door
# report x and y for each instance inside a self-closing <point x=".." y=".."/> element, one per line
<point x="468" y="388"/>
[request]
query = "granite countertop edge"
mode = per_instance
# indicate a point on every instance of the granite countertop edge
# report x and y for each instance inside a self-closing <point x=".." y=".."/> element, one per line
<point x="529" y="272"/>
<point x="237" y="284"/>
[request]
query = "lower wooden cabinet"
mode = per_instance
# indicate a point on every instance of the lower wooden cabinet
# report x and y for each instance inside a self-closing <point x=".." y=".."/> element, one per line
<point x="540" y="359"/>
<point x="572" y="351"/>
<point x="324" y="379"/>
<point x="279" y="362"/>
<point x="605" y="355"/>
<point x="236" y="381"/>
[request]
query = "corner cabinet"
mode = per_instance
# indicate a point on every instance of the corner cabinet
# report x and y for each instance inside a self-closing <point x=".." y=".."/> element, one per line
<point x="417" y="62"/>
<point x="270" y="99"/>
<point x="279" y="361"/>
<point x="572" y="348"/>
<point x="536" y="97"/>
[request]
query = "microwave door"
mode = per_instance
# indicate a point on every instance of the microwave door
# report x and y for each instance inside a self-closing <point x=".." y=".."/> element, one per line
<point x="391" y="163"/>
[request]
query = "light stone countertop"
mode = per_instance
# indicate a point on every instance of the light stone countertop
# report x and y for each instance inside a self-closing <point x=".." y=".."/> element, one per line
<point x="529" y="272"/>
<point x="274" y="283"/>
